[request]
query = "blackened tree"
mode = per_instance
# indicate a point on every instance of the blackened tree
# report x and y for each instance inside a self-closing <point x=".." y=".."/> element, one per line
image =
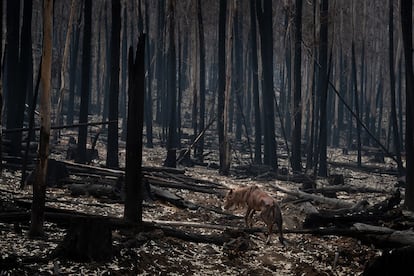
<point x="85" y="84"/>
<point x="264" y="18"/>
<point x="112" y="151"/>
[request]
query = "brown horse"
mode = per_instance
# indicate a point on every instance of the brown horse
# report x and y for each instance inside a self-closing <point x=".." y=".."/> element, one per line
<point x="256" y="200"/>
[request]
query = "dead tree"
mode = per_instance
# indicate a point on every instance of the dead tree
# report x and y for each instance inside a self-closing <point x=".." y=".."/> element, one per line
<point x="39" y="187"/>
<point x="133" y="169"/>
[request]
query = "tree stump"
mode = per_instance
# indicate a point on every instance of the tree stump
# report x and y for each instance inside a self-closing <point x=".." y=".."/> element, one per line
<point x="86" y="240"/>
<point x="396" y="262"/>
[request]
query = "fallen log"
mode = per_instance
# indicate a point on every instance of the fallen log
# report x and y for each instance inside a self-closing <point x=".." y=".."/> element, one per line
<point x="156" y="181"/>
<point x="382" y="211"/>
<point x="365" y="168"/>
<point x="349" y="189"/>
<point x="337" y="203"/>
<point x="345" y="220"/>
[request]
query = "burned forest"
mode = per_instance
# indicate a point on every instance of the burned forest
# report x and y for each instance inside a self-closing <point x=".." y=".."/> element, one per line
<point x="206" y="137"/>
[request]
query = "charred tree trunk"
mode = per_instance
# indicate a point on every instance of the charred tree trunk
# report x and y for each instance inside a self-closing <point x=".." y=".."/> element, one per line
<point x="73" y="72"/>
<point x="297" y="96"/>
<point x="63" y="71"/>
<point x="124" y="61"/>
<point x="406" y="23"/>
<point x="396" y="135"/>
<point x="13" y="92"/>
<point x="85" y="85"/>
<point x="112" y="160"/>
<point x="160" y="69"/>
<point x="202" y="81"/>
<point x="356" y="99"/>
<point x="1" y="88"/>
<point x="133" y="166"/>
<point x="264" y="18"/>
<point x="237" y="72"/>
<point x="39" y="187"/>
<point x="172" y="91"/>
<point x="26" y="58"/>
<point x="148" y="97"/>
<point x="255" y="87"/>
<point x="221" y="103"/>
<point x="323" y="88"/>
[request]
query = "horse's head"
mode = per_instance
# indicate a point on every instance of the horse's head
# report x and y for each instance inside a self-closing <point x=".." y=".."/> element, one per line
<point x="229" y="199"/>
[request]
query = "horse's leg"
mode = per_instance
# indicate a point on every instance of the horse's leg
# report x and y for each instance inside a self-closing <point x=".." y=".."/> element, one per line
<point x="247" y="216"/>
<point x="267" y="216"/>
<point x="251" y="217"/>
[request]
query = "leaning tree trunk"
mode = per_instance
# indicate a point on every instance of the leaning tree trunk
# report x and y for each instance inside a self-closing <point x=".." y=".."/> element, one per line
<point x="112" y="160"/>
<point x="39" y="186"/>
<point x="85" y="88"/>
<point x="133" y="165"/>
<point x="406" y="24"/>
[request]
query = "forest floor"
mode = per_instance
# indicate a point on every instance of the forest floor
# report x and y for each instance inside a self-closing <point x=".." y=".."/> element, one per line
<point x="304" y="254"/>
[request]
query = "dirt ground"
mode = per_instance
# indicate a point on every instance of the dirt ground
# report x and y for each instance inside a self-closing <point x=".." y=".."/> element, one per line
<point x="155" y="254"/>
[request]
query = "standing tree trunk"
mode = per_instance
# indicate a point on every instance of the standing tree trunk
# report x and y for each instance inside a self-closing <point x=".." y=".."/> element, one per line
<point x="12" y="85"/>
<point x="356" y="99"/>
<point x="323" y="87"/>
<point x="172" y="91"/>
<point x="133" y="165"/>
<point x="112" y="160"/>
<point x="358" y="122"/>
<point x="407" y="32"/>
<point x="264" y="17"/>
<point x="1" y="88"/>
<point x="396" y="136"/>
<point x="26" y="57"/>
<point x="73" y="72"/>
<point x="124" y="61"/>
<point x="39" y="186"/>
<point x="148" y="97"/>
<point x="85" y="84"/>
<point x="237" y="72"/>
<point x="159" y="67"/>
<point x="63" y="70"/>
<point x="297" y="96"/>
<point x="255" y="80"/>
<point x="221" y="102"/>
<point x="202" y="80"/>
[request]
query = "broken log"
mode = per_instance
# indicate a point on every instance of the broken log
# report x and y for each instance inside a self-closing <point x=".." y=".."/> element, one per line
<point x="382" y="211"/>
<point x="348" y="219"/>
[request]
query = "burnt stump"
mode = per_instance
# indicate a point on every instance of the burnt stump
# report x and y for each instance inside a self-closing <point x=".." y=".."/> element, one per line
<point x="87" y="240"/>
